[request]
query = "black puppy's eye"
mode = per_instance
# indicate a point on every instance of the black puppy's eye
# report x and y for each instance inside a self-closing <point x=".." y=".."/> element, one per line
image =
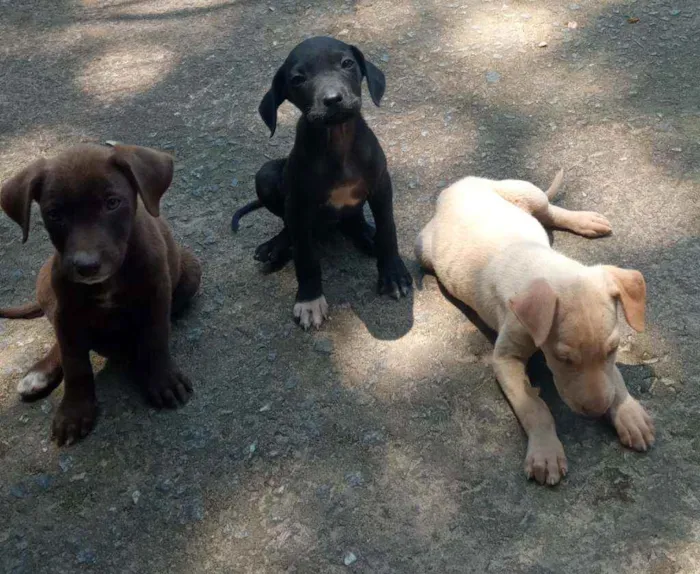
<point x="297" y="80"/>
<point x="347" y="63"/>
<point x="113" y="203"/>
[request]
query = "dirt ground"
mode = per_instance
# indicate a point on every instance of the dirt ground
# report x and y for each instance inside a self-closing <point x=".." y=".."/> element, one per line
<point x="381" y="443"/>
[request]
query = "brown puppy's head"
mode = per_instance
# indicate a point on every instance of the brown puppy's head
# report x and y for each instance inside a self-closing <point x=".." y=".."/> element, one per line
<point x="576" y="328"/>
<point x="88" y="200"/>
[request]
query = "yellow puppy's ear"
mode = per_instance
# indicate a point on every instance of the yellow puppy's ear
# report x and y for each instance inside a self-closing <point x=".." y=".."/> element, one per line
<point x="631" y="289"/>
<point x="535" y="309"/>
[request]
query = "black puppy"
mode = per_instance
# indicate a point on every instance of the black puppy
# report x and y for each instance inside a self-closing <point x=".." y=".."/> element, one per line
<point x="335" y="165"/>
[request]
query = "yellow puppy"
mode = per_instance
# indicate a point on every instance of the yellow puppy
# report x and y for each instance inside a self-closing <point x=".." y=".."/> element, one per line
<point x="487" y="246"/>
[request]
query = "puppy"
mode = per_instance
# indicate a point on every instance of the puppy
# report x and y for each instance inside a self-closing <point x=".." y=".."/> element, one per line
<point x="114" y="280"/>
<point x="336" y="165"/>
<point x="487" y="246"/>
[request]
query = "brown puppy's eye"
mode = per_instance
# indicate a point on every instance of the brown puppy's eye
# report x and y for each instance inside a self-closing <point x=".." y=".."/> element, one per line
<point x="297" y="80"/>
<point x="113" y="203"/>
<point x="53" y="215"/>
<point x="347" y="63"/>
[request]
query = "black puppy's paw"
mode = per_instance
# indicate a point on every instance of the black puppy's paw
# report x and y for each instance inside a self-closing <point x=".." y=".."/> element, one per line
<point x="277" y="251"/>
<point x="394" y="278"/>
<point x="169" y="389"/>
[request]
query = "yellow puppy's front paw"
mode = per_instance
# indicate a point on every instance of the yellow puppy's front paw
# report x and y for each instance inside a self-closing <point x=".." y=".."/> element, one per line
<point x="545" y="460"/>
<point x="591" y="224"/>
<point x="634" y="425"/>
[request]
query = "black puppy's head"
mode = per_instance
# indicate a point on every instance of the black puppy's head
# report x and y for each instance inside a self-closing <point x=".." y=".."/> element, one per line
<point x="88" y="200"/>
<point x="323" y="78"/>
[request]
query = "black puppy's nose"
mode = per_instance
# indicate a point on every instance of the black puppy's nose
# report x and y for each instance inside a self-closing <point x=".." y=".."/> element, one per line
<point x="86" y="264"/>
<point x="332" y="98"/>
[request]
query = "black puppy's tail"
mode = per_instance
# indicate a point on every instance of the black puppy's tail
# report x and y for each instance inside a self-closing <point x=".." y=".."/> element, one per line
<point x="246" y="209"/>
<point x="28" y="311"/>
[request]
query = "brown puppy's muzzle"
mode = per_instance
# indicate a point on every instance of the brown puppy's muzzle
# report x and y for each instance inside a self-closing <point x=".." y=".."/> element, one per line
<point x="89" y="257"/>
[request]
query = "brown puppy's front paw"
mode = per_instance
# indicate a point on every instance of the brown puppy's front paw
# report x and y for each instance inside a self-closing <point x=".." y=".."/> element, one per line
<point x="590" y="224"/>
<point x="73" y="420"/>
<point x="634" y="426"/>
<point x="394" y="278"/>
<point x="169" y="389"/>
<point x="309" y="313"/>
<point x="545" y="460"/>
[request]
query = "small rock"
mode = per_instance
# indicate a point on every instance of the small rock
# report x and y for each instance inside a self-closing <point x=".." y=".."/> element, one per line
<point x="492" y="77"/>
<point x="194" y="334"/>
<point x="135" y="496"/>
<point x="252" y="447"/>
<point x="46" y="407"/>
<point x="572" y="25"/>
<point x="18" y="491"/>
<point x="234" y="182"/>
<point x="65" y="462"/>
<point x="542" y="44"/>
<point x="24" y="419"/>
<point x="291" y="383"/>
<point x="385" y="57"/>
<point x="264" y="408"/>
<point x="373" y="438"/>
<point x="349" y="558"/>
<point x="44" y="480"/>
<point x="675" y="12"/>
<point x="87" y="556"/>
<point x="323" y="345"/>
<point x="354" y="479"/>
<point x="79" y="476"/>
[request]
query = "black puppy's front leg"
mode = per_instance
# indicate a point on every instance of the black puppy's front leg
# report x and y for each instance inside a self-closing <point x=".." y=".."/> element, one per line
<point x="310" y="307"/>
<point x="394" y="278"/>
<point x="165" y="384"/>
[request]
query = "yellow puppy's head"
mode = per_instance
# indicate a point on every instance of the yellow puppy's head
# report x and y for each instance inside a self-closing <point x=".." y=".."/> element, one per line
<point x="575" y="324"/>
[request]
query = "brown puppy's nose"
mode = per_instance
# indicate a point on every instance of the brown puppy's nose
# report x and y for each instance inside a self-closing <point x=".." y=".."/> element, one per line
<point x="332" y="98"/>
<point x="86" y="264"/>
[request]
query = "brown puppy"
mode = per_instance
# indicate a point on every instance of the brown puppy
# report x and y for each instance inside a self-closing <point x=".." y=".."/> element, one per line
<point x="114" y="280"/>
<point x="488" y="247"/>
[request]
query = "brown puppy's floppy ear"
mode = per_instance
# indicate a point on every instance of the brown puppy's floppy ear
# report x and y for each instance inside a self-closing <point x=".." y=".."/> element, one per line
<point x="149" y="171"/>
<point x="631" y="288"/>
<point x="273" y="99"/>
<point x="535" y="309"/>
<point x="19" y="191"/>
<point x="376" y="82"/>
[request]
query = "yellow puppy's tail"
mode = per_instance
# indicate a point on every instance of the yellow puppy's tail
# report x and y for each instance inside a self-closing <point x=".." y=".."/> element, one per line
<point x="556" y="184"/>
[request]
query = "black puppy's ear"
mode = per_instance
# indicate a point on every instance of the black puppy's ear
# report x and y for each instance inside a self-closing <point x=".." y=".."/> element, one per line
<point x="273" y="99"/>
<point x="375" y="77"/>
<point x="19" y="191"/>
<point x="149" y="171"/>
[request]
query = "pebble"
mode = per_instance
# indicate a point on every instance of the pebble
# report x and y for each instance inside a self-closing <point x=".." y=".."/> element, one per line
<point x="492" y="77"/>
<point x="87" y="556"/>
<point x="291" y="383"/>
<point x="349" y="558"/>
<point x="234" y="182"/>
<point x="18" y="491"/>
<point x="45" y="481"/>
<point x="354" y="479"/>
<point x="372" y="438"/>
<point x="65" y="462"/>
<point x="135" y="496"/>
<point x="323" y="345"/>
